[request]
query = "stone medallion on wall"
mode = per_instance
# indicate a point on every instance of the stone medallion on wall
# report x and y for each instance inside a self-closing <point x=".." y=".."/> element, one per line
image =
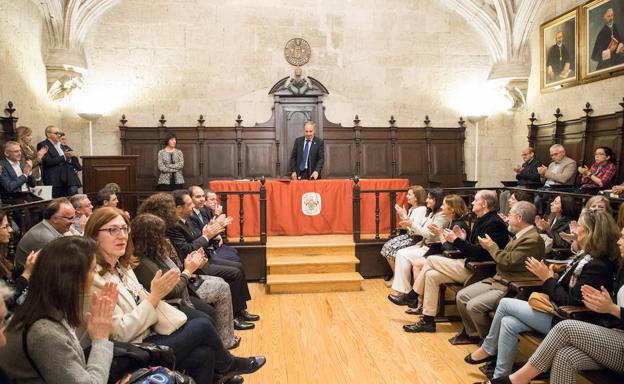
<point x="297" y="52"/>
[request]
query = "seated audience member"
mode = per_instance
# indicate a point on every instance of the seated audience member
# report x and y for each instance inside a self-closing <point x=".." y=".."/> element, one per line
<point x="513" y="199"/>
<point x="51" y="352"/>
<point x="58" y="217"/>
<point x="599" y="202"/>
<point x="573" y="345"/>
<point x="155" y="253"/>
<point x="562" y="169"/>
<point x="416" y="199"/>
<point x="439" y="269"/>
<point x="476" y="300"/>
<point x="455" y="210"/>
<point x="526" y="174"/>
<point x="202" y="216"/>
<point x="114" y="187"/>
<point x="106" y="198"/>
<point x="15" y="277"/>
<point x="15" y="173"/>
<point x="24" y="138"/>
<point x="6" y="294"/>
<point x="84" y="209"/>
<point x="175" y="213"/>
<point x="196" y="344"/>
<point x="562" y="211"/>
<point x="601" y="174"/>
<point x="407" y="256"/>
<point x="597" y="235"/>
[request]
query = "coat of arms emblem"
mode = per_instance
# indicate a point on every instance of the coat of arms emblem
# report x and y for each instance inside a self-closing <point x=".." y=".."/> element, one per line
<point x="311" y="204"/>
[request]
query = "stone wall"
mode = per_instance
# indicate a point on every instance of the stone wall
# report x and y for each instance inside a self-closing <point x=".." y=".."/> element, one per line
<point x="22" y="71"/>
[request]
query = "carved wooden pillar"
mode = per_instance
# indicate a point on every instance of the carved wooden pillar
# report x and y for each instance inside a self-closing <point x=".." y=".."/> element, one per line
<point x="393" y="140"/>
<point x="357" y="135"/>
<point x="239" y="151"/>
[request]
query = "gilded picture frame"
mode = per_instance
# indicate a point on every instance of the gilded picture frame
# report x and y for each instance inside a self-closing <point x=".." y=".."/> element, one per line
<point x="559" y="52"/>
<point x="602" y="31"/>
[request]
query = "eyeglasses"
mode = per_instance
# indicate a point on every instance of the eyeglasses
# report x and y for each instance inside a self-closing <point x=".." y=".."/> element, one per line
<point x="7" y="226"/>
<point x="54" y="133"/>
<point x="5" y="320"/>
<point x="116" y="231"/>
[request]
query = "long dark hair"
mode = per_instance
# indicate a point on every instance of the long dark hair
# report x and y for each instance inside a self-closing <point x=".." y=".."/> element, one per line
<point x="58" y="282"/>
<point x="6" y="266"/>
<point x="436" y="194"/>
<point x="149" y="238"/>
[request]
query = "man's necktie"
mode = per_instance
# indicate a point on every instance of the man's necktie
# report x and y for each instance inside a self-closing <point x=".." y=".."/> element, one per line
<point x="306" y="149"/>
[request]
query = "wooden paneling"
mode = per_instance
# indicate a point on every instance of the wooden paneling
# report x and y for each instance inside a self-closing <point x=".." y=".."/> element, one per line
<point x="376" y="159"/>
<point x="339" y="159"/>
<point x="411" y="156"/>
<point x="259" y="159"/>
<point x="221" y="160"/>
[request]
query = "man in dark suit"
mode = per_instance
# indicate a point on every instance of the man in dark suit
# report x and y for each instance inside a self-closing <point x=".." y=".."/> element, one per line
<point x="15" y="174"/>
<point x="185" y="240"/>
<point x="308" y="155"/>
<point x="202" y="216"/>
<point x="56" y="164"/>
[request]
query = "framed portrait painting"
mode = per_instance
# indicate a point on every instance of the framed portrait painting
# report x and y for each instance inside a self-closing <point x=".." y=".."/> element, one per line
<point x="602" y="33"/>
<point x="558" y="52"/>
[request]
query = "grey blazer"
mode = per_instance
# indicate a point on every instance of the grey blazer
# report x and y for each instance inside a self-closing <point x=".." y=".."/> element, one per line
<point x="36" y="238"/>
<point x="566" y="174"/>
<point x="166" y="167"/>
<point x="58" y="355"/>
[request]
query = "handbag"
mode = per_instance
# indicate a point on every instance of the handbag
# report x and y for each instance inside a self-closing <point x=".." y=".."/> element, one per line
<point x="170" y="319"/>
<point x="542" y="303"/>
<point x="155" y="375"/>
<point x="128" y="357"/>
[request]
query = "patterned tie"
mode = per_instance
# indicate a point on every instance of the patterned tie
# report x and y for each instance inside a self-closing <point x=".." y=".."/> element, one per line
<point x="306" y="149"/>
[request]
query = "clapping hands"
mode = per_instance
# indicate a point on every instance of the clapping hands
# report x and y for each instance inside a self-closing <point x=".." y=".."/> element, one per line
<point x="539" y="268"/>
<point x="100" y="316"/>
<point x="599" y="300"/>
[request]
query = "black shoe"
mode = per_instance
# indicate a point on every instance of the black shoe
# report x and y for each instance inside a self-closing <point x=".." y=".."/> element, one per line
<point x="420" y="326"/>
<point x="401" y="300"/>
<point x="243" y="366"/>
<point x="462" y="338"/>
<point x="238" y="379"/>
<point x="468" y="359"/>
<point x="242" y="325"/>
<point x="248" y="316"/>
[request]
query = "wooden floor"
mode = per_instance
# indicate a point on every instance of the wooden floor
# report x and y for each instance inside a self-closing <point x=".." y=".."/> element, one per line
<point x="350" y="337"/>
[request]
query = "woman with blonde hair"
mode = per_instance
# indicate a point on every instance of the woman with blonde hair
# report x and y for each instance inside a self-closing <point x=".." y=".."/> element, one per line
<point x="416" y="198"/>
<point x="24" y="138"/>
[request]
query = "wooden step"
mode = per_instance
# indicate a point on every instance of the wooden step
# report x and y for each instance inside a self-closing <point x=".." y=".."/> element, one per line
<point x="320" y="282"/>
<point x="310" y="249"/>
<point x="311" y="264"/>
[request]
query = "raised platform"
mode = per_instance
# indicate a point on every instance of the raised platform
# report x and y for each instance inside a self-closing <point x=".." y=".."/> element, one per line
<point x="318" y="263"/>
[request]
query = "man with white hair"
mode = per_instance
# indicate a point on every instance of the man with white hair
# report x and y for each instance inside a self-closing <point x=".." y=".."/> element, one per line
<point x="562" y="169"/>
